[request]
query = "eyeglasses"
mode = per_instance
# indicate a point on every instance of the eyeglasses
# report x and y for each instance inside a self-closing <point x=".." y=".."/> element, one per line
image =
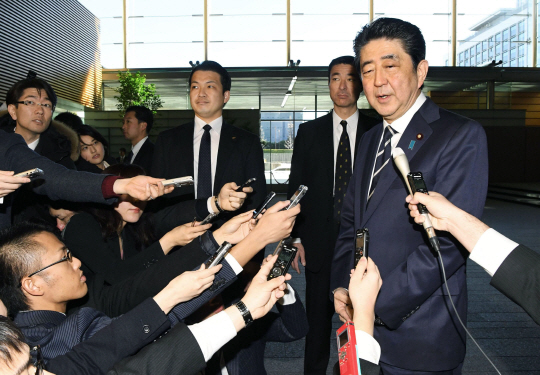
<point x="40" y="362"/>
<point x="67" y="258"/>
<point x="32" y="103"/>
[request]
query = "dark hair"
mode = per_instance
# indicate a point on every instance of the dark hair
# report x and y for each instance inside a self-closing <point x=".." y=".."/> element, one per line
<point x="90" y="131"/>
<point x="212" y="66"/>
<point x="111" y="221"/>
<point x="20" y="255"/>
<point x="70" y="119"/>
<point x="11" y="340"/>
<point x="123" y="149"/>
<point x="16" y="91"/>
<point x="143" y="114"/>
<point x="347" y="60"/>
<point x="408" y="34"/>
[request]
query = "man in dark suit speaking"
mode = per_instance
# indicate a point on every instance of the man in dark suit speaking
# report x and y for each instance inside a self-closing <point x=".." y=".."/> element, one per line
<point x="323" y="157"/>
<point x="415" y="325"/>
<point x="207" y="148"/>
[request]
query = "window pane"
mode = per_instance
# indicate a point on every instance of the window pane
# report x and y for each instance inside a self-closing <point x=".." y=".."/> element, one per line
<point x="163" y="34"/>
<point x="322" y="31"/>
<point x="431" y="16"/>
<point x="247" y="32"/>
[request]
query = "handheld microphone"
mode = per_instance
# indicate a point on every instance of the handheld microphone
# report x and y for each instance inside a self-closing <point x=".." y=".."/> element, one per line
<point x="415" y="183"/>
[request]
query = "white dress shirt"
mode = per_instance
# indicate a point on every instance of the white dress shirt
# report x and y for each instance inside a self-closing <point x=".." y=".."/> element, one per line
<point x="214" y="332"/>
<point x="135" y="149"/>
<point x="491" y="250"/>
<point x="215" y="134"/>
<point x="399" y="126"/>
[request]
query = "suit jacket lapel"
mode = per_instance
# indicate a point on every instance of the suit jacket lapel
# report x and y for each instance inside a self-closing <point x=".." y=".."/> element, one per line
<point x="227" y="144"/>
<point x="418" y="125"/>
<point x="372" y="145"/>
<point x="184" y="164"/>
<point x="326" y="149"/>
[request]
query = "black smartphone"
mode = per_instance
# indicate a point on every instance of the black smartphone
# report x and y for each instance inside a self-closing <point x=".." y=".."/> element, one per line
<point x="246" y="184"/>
<point x="32" y="173"/>
<point x="218" y="255"/>
<point x="208" y="218"/>
<point x="361" y="244"/>
<point x="264" y="204"/>
<point x="286" y="252"/>
<point x="297" y="196"/>
<point x="418" y="185"/>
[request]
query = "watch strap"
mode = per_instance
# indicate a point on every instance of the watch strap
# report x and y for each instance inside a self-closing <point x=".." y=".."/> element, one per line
<point x="248" y="319"/>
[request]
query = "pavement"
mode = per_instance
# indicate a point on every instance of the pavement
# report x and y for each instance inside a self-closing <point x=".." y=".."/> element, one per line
<point x="508" y="336"/>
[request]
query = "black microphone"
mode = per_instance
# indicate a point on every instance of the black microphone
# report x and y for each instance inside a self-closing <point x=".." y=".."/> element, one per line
<point x="401" y="162"/>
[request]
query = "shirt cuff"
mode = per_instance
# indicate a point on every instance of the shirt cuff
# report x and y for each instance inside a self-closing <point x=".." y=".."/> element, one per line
<point x="289" y="297"/>
<point x="236" y="267"/>
<point x="213" y="333"/>
<point x="2" y="200"/>
<point x="107" y="187"/>
<point x="209" y="205"/>
<point x="367" y="348"/>
<point x="296" y="240"/>
<point x="491" y="250"/>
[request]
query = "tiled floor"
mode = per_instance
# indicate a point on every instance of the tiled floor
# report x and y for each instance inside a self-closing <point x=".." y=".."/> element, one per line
<point x="508" y="335"/>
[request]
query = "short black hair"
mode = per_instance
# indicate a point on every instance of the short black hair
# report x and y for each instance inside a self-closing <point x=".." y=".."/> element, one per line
<point x="16" y="91"/>
<point x="70" y="119"/>
<point x="143" y="114"/>
<point x="90" y="131"/>
<point x="212" y="66"/>
<point x="11" y="340"/>
<point x="347" y="60"/>
<point x="20" y="255"/>
<point x="408" y="34"/>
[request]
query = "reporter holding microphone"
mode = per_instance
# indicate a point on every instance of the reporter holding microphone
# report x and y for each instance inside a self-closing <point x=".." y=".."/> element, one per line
<point x="515" y="269"/>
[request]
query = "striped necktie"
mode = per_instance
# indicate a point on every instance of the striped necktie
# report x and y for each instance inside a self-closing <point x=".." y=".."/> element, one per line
<point x="384" y="154"/>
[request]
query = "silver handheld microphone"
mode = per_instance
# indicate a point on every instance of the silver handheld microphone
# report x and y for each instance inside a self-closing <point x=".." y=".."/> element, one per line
<point x="403" y="165"/>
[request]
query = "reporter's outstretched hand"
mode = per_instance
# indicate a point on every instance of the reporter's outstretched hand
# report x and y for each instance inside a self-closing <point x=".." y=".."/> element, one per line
<point x="438" y="206"/>
<point x="274" y="225"/>
<point x="363" y="290"/>
<point x="141" y="187"/>
<point x="235" y="229"/>
<point x="186" y="286"/>
<point x="182" y="235"/>
<point x="263" y="294"/>
<point x="9" y="183"/>
<point x="231" y="200"/>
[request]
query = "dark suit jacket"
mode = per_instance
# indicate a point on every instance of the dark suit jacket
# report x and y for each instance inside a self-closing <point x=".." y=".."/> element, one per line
<point x="105" y="341"/>
<point x="366" y="367"/>
<point x="244" y="355"/>
<point x="452" y="155"/>
<point x="240" y="158"/>
<point x="175" y="353"/>
<point x="145" y="157"/>
<point x="97" y="255"/>
<point x="313" y="165"/>
<point x="518" y="278"/>
<point x="57" y="182"/>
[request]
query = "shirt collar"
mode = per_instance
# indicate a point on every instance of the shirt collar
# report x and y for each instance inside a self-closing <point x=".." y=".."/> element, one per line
<point x="33" y="145"/>
<point x="353" y="120"/>
<point x="138" y="146"/>
<point x="401" y="123"/>
<point x="216" y="124"/>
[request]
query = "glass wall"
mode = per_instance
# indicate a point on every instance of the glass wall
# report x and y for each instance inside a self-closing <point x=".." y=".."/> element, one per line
<point x="240" y="33"/>
<point x="434" y="19"/>
<point x="323" y="30"/>
<point x="162" y="34"/>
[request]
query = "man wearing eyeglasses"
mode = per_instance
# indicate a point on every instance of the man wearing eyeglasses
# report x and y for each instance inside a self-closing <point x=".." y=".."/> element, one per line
<point x="30" y="106"/>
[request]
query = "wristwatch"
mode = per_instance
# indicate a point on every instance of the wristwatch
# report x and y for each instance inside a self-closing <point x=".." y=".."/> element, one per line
<point x="248" y="319"/>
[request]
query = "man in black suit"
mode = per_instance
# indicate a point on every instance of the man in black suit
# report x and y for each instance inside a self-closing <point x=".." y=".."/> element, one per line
<point x="323" y="160"/>
<point x="138" y="122"/>
<point x="515" y="269"/>
<point x="210" y="150"/>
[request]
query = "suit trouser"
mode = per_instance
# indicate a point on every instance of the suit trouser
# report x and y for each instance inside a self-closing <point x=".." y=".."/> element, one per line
<point x="319" y="309"/>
